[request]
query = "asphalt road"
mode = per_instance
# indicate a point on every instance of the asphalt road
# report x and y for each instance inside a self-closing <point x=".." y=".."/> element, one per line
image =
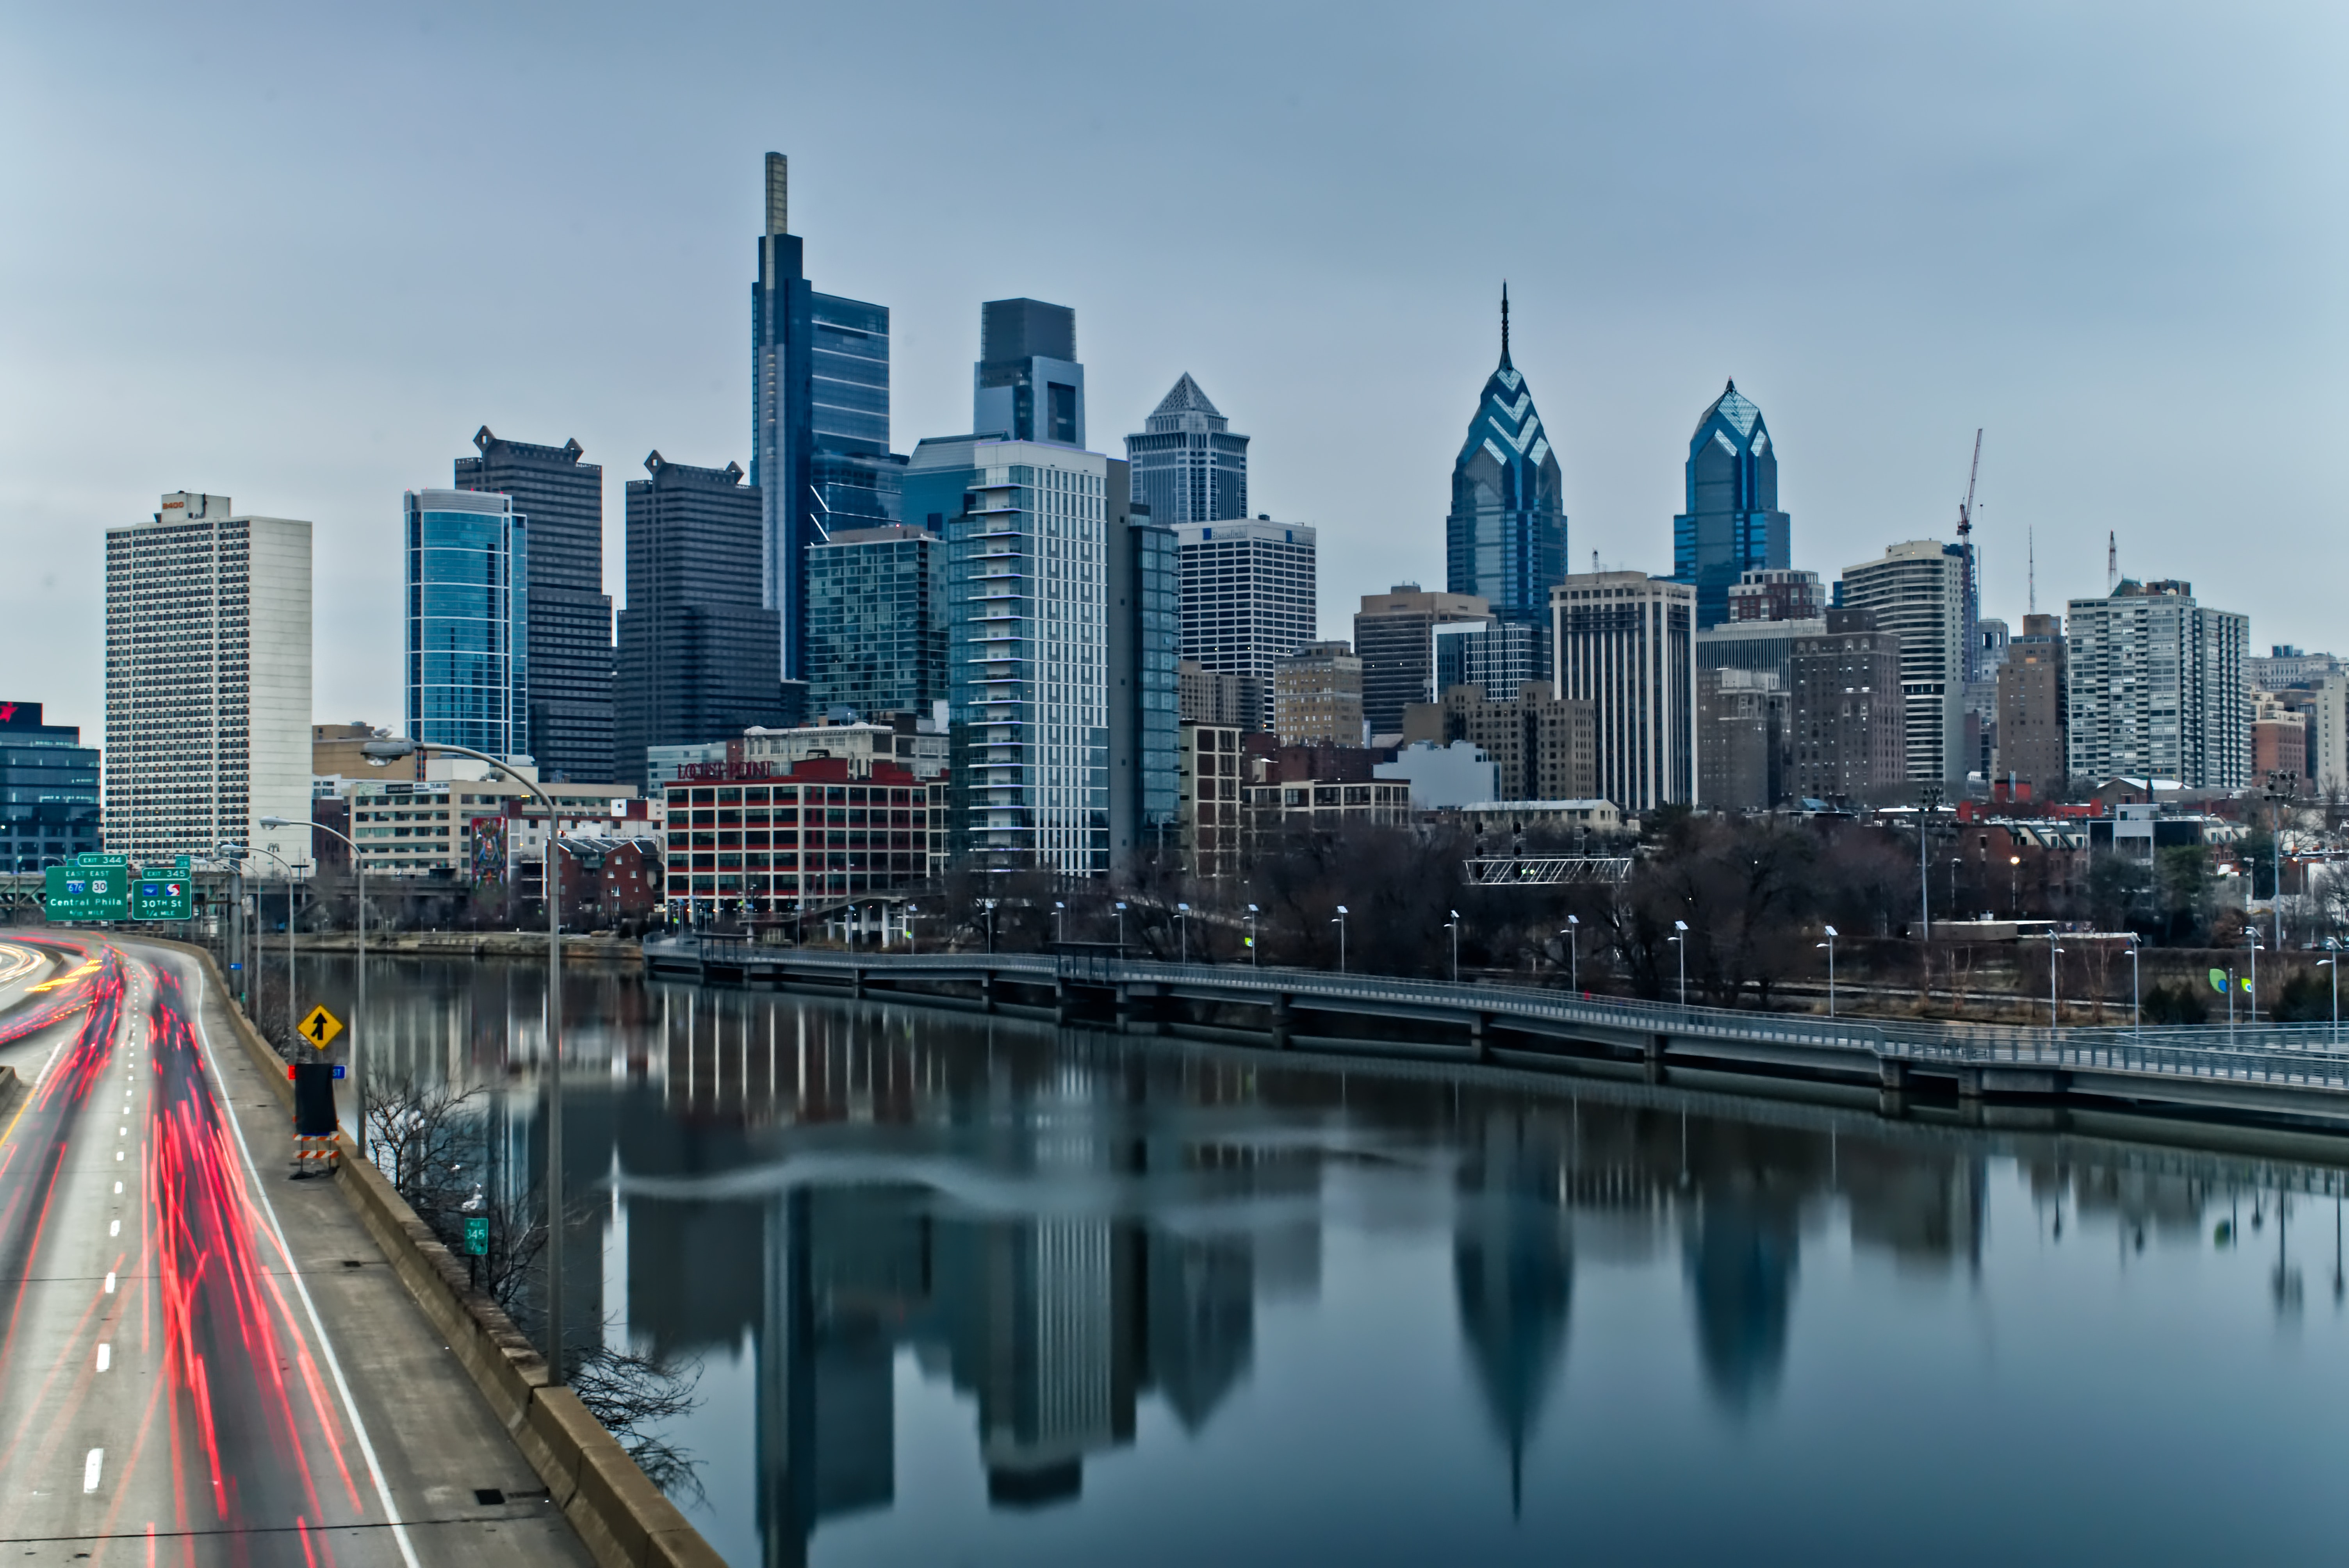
<point x="202" y="1359"/>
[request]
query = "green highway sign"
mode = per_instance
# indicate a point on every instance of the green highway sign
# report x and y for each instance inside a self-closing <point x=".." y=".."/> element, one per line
<point x="87" y="893"/>
<point x="477" y="1234"/>
<point x="93" y="858"/>
<point x="163" y="895"/>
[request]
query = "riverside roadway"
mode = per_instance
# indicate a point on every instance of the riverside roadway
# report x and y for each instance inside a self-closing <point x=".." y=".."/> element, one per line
<point x="203" y="1360"/>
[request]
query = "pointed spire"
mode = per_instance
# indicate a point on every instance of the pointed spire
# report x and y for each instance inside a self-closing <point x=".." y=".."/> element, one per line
<point x="1505" y="321"/>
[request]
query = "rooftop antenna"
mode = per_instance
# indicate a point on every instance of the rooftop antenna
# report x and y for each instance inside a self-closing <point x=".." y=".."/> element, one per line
<point x="1594" y="561"/>
<point x="2112" y="561"/>
<point x="1505" y="318"/>
<point x="2030" y="538"/>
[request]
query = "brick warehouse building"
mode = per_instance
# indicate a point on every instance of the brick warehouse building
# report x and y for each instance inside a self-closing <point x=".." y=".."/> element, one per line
<point x="758" y="839"/>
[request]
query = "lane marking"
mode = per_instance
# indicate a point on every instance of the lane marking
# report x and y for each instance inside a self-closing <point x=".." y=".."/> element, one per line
<point x="105" y="1357"/>
<point x="115" y="1229"/>
<point x="117" y="1189"/>
<point x="109" y="1281"/>
<point x="89" y="1468"/>
<point x="218" y="1087"/>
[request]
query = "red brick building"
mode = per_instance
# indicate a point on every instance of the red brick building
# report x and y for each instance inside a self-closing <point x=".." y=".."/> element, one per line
<point x="754" y="839"/>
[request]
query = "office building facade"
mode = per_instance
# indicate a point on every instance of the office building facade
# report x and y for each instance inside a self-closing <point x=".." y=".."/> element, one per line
<point x="568" y="643"/>
<point x="1027" y="385"/>
<point x="1317" y="697"/>
<point x="1208" y="799"/>
<point x="1625" y="643"/>
<point x="49" y="804"/>
<point x="207" y="682"/>
<point x="877" y="623"/>
<point x="1248" y="597"/>
<point x="1504" y="540"/>
<point x="1741" y="749"/>
<point x="1775" y="594"/>
<point x="696" y="641"/>
<point x="752" y="840"/>
<point x="819" y="418"/>
<point x="1025" y="525"/>
<point x="1918" y="592"/>
<point x="2156" y="687"/>
<point x="1500" y="657"/>
<point x="1542" y="746"/>
<point x="1189" y="466"/>
<point x="1144" y="696"/>
<point x="1849" y="717"/>
<point x="1395" y="638"/>
<point x="1733" y="524"/>
<point x="1211" y="697"/>
<point x="468" y="621"/>
<point x="2032" y="757"/>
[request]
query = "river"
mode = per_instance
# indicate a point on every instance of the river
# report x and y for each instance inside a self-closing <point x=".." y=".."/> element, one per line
<point x="963" y="1290"/>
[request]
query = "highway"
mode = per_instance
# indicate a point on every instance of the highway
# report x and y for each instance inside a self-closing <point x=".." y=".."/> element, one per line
<point x="203" y="1360"/>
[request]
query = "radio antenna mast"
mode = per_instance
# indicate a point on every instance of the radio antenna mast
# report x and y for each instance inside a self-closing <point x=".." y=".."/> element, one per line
<point x="1973" y="575"/>
<point x="2030" y="543"/>
<point x="2112" y="560"/>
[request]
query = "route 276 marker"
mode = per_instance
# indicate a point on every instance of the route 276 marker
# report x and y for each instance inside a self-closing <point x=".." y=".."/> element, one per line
<point x="321" y="1027"/>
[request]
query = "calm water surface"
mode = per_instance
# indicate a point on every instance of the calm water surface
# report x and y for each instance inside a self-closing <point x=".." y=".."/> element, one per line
<point x="994" y="1293"/>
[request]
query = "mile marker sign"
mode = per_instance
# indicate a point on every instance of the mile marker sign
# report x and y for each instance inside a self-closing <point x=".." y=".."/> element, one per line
<point x="321" y="1027"/>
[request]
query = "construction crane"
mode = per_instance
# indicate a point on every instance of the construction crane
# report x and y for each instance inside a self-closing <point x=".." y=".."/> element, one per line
<point x="1973" y="575"/>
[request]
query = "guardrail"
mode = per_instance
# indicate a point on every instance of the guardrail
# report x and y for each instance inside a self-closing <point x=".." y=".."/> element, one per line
<point x="2295" y="1053"/>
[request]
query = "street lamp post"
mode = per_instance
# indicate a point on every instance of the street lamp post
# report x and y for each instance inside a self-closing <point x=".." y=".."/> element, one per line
<point x="1183" y="929"/>
<point x="989" y="905"/>
<point x="1452" y="925"/>
<point x="1954" y="863"/>
<point x="912" y="943"/>
<point x="2334" y="964"/>
<point x="1829" y="945"/>
<point x="1927" y="798"/>
<point x="1121" y="928"/>
<point x="2054" y="1010"/>
<point x="1574" y="952"/>
<point x="392" y="749"/>
<point x="2136" y="990"/>
<point x="1256" y="953"/>
<point x="291" y="1019"/>
<point x="2251" y="941"/>
<point x="1341" y="924"/>
<point x="2015" y="886"/>
<point x="1680" y="940"/>
<point x="358" y="1014"/>
<point x="1060" y="916"/>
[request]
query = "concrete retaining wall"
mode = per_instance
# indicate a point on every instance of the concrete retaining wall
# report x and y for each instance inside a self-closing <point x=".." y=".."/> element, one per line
<point x="624" y="1520"/>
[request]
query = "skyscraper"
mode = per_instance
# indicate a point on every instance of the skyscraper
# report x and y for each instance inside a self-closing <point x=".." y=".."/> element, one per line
<point x="1918" y="591"/>
<point x="877" y="638"/>
<point x="1249" y="598"/>
<point x="467" y="567"/>
<point x="819" y="417"/>
<point x="1026" y="647"/>
<point x="694" y="639"/>
<point x="1188" y="467"/>
<point x="207" y="681"/>
<point x="569" y="642"/>
<point x="2031" y="708"/>
<point x="1847" y="711"/>
<point x="1733" y="524"/>
<point x="2155" y="688"/>
<point x="1144" y="640"/>
<point x="1505" y="541"/>
<point x="1395" y="638"/>
<point x="1626" y="644"/>
<point x="1027" y="385"/>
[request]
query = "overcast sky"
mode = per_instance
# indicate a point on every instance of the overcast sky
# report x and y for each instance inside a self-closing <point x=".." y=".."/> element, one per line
<point x="297" y="255"/>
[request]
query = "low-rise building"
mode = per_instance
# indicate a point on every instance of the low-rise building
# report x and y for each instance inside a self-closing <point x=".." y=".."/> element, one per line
<point x="605" y="880"/>
<point x="1276" y="809"/>
<point x="1442" y="777"/>
<point x="49" y="805"/>
<point x="2279" y="739"/>
<point x="763" y="840"/>
<point x="459" y="827"/>
<point x="1543" y="746"/>
<point x="1207" y="787"/>
<point x="1514" y="819"/>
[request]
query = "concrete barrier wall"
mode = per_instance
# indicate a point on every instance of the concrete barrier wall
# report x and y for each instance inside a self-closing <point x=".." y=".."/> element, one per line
<point x="624" y="1520"/>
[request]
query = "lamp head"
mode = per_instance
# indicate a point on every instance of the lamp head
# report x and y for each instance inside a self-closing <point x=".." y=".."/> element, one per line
<point x="1680" y="925"/>
<point x="275" y="823"/>
<point x="1573" y="920"/>
<point x="1342" y="909"/>
<point x="387" y="749"/>
<point x="1832" y="932"/>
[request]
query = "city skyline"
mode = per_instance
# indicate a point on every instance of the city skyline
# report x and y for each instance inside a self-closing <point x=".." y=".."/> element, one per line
<point x="1876" y="342"/>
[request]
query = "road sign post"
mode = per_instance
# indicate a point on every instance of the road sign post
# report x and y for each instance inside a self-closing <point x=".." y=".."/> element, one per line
<point x="320" y="1028"/>
<point x="86" y="893"/>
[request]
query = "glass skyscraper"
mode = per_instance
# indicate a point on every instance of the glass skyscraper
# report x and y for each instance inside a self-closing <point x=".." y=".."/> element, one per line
<point x="1027" y="385"/>
<point x="49" y="789"/>
<point x="877" y="621"/>
<point x="1188" y="467"/>
<point x="820" y="454"/>
<point x="1505" y="541"/>
<point x="1145" y="636"/>
<point x="467" y="621"/>
<point x="1733" y="524"/>
<point x="1027" y="586"/>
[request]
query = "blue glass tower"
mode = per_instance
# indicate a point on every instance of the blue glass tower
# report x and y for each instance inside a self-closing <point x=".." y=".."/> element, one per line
<point x="820" y="453"/>
<point x="876" y="636"/>
<point x="1505" y="539"/>
<point x="467" y="621"/>
<point x="1733" y="524"/>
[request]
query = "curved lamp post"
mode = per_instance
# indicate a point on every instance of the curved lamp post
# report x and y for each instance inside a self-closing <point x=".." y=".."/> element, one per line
<point x="1341" y="924"/>
<point x="1452" y="925"/>
<point x="243" y="851"/>
<point x="1573" y="934"/>
<point x="1829" y="945"/>
<point x="358" y="1013"/>
<point x="1680" y="939"/>
<point x="392" y="749"/>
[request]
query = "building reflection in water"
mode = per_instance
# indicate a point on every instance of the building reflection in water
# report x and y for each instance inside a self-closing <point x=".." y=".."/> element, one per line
<point x="1062" y="1225"/>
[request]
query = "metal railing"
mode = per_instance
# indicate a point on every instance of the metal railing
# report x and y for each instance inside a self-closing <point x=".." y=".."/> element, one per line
<point x="2305" y="1054"/>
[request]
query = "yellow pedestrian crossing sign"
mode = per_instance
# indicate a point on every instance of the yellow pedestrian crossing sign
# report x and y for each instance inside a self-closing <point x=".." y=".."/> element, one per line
<point x="321" y="1027"/>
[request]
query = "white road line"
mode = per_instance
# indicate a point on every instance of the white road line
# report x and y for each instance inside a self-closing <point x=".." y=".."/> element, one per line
<point x="115" y="1229"/>
<point x="109" y="1281"/>
<point x="326" y="1347"/>
<point x="105" y="1357"/>
<point x="89" y="1468"/>
<point x="118" y="1186"/>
